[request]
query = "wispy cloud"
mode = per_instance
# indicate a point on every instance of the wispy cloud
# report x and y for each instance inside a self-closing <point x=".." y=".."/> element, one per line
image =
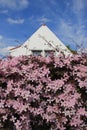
<point x="71" y="29"/>
<point x="5" y="46"/>
<point x="43" y="20"/>
<point x="53" y="2"/>
<point x="79" y="8"/>
<point x="79" y="5"/>
<point x="72" y="33"/>
<point x="39" y="20"/>
<point x="3" y="11"/>
<point x="15" y="21"/>
<point x="5" y="51"/>
<point x="14" y="4"/>
<point x="1" y="37"/>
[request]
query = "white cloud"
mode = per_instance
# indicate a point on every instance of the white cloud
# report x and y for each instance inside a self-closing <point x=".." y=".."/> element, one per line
<point x="15" y="21"/>
<point x="14" y="4"/>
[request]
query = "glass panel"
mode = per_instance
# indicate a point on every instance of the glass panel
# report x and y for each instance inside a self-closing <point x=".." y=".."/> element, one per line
<point x="48" y="52"/>
<point x="36" y="52"/>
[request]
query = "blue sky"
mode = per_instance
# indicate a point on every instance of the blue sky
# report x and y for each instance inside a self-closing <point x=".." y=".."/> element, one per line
<point x="19" y="19"/>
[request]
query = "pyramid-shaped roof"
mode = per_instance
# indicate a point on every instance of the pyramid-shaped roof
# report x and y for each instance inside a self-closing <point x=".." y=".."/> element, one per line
<point x="42" y="39"/>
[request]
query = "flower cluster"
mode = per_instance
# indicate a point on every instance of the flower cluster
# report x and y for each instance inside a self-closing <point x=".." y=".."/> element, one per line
<point x="46" y="93"/>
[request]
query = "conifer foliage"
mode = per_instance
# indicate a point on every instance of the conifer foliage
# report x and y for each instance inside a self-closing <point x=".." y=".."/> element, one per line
<point x="38" y="93"/>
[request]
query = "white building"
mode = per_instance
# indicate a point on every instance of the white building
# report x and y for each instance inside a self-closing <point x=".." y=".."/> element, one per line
<point x="42" y="42"/>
